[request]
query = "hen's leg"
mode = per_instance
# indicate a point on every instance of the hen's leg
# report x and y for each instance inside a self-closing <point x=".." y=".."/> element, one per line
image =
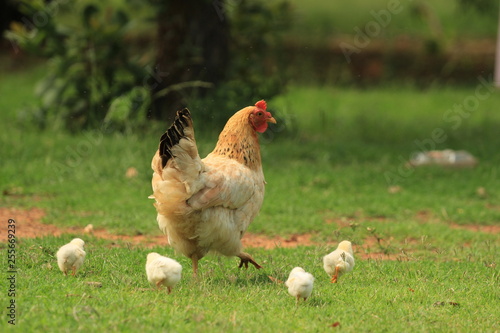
<point x="194" y="259"/>
<point x="245" y="259"/>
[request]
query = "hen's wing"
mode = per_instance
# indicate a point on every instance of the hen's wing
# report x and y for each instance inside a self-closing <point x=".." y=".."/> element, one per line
<point x="226" y="183"/>
<point x="182" y="182"/>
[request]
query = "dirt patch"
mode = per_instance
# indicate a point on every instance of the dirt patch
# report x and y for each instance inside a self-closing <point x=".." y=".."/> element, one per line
<point x="375" y="249"/>
<point x="29" y="225"/>
<point x="256" y="240"/>
<point x="142" y="240"/>
<point x="490" y="229"/>
<point x="344" y="222"/>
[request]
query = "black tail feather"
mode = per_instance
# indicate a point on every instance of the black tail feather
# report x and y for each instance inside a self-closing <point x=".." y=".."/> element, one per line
<point x="173" y="135"/>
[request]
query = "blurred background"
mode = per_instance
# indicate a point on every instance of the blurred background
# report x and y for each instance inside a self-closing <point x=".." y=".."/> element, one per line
<point x="128" y="61"/>
<point x="361" y="89"/>
<point x="387" y="135"/>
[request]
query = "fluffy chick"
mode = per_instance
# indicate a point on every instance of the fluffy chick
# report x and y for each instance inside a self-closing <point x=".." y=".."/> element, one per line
<point x="339" y="261"/>
<point x="163" y="271"/>
<point x="89" y="229"/>
<point x="300" y="283"/>
<point x="71" y="256"/>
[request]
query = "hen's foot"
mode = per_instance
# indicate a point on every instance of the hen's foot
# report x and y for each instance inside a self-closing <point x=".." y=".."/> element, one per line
<point x="245" y="259"/>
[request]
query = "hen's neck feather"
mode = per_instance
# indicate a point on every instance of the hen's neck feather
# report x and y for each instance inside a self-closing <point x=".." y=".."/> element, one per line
<point x="238" y="140"/>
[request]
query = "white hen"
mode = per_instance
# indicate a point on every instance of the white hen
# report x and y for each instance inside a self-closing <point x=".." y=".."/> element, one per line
<point x="71" y="256"/>
<point x="339" y="261"/>
<point x="300" y="283"/>
<point x="163" y="271"/>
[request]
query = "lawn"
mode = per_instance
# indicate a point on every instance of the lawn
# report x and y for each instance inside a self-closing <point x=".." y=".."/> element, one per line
<point x="335" y="169"/>
<point x="393" y="296"/>
<point x="319" y="19"/>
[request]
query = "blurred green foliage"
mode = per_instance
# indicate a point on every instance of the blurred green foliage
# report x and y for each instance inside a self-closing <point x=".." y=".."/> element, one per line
<point x="488" y="7"/>
<point x="94" y="77"/>
<point x="89" y="66"/>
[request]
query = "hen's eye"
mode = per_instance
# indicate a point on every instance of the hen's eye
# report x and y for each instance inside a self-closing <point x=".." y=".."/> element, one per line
<point x="259" y="114"/>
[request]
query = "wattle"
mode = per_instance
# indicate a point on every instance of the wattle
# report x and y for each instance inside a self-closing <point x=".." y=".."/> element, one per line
<point x="261" y="128"/>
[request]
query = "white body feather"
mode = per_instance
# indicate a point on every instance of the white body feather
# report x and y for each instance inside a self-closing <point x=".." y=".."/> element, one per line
<point x="340" y="260"/>
<point x="300" y="283"/>
<point x="71" y="256"/>
<point x="225" y="206"/>
<point x="162" y="271"/>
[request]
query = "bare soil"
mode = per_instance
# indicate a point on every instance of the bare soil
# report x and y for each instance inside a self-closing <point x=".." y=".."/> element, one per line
<point x="29" y="225"/>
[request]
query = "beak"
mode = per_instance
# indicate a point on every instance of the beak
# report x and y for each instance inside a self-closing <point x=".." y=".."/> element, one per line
<point x="271" y="120"/>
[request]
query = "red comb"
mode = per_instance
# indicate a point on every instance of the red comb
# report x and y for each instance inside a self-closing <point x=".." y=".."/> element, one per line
<point x="261" y="105"/>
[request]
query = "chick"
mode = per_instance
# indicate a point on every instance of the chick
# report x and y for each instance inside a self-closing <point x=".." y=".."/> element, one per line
<point x="71" y="256"/>
<point x="300" y="283"/>
<point x="163" y="271"/>
<point x="89" y="229"/>
<point x="339" y="261"/>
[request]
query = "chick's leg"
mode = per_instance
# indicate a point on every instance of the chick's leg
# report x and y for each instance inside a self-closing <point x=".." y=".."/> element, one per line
<point x="74" y="270"/>
<point x="245" y="259"/>
<point x="335" y="276"/>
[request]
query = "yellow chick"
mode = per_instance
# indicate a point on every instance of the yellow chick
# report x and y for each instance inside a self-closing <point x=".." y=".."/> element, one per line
<point x="71" y="256"/>
<point x="163" y="271"/>
<point x="339" y="261"/>
<point x="300" y="283"/>
<point x="89" y="229"/>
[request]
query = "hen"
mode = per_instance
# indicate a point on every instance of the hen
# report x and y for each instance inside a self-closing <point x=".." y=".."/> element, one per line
<point x="207" y="204"/>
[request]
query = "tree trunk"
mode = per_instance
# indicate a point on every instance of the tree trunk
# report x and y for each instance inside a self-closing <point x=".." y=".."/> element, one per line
<point x="192" y="45"/>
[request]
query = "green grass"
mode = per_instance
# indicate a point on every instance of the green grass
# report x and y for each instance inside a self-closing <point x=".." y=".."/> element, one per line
<point x="379" y="296"/>
<point x="326" y="168"/>
<point x="319" y="19"/>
